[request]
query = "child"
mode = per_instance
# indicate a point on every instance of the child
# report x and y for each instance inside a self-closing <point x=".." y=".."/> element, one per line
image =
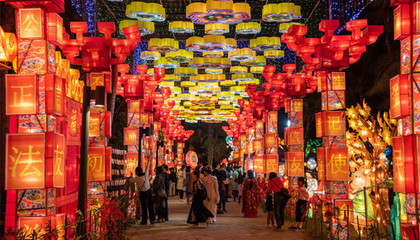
<point x="269" y="209"/>
<point x="303" y="197"/>
<point x="235" y="189"/>
<point x="239" y="193"/>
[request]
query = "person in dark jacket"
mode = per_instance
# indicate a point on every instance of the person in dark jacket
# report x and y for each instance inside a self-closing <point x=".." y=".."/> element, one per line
<point x="159" y="194"/>
<point x="198" y="212"/>
<point x="172" y="182"/>
<point x="167" y="183"/>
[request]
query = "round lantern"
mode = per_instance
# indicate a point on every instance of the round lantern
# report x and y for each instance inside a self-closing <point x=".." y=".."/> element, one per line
<point x="171" y="78"/>
<point x="214" y="63"/>
<point x="150" y="55"/>
<point x="214" y="11"/>
<point x="210" y="43"/>
<point x="311" y="164"/>
<point x="185" y="96"/>
<point x="259" y="61"/>
<point x="281" y="12"/>
<point x="216" y="29"/>
<point x="208" y="78"/>
<point x="213" y="54"/>
<point x="256" y="70"/>
<point x="238" y="70"/>
<point x="284" y="27"/>
<point x="185" y="72"/>
<point x="180" y="56"/>
<point x="181" y="27"/>
<point x="237" y="89"/>
<point x="255" y="81"/>
<point x="145" y="11"/>
<point x="165" y="64"/>
<point x="248" y="28"/>
<point x="213" y="71"/>
<point x="186" y="84"/>
<point x="243" y="77"/>
<point x="163" y="45"/>
<point x="272" y="54"/>
<point x="144" y="27"/>
<point x="265" y="43"/>
<point x="242" y="55"/>
<point x="227" y="83"/>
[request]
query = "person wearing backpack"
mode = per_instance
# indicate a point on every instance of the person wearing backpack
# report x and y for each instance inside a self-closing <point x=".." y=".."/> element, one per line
<point x="212" y="187"/>
<point x="198" y="212"/>
<point x="276" y="187"/>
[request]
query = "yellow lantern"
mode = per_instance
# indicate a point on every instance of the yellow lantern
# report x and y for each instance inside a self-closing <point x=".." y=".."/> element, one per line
<point x="214" y="11"/>
<point x="272" y="54"/>
<point x="171" y="78"/>
<point x="210" y="43"/>
<point x="265" y="43"/>
<point x="185" y="72"/>
<point x="180" y="56"/>
<point x="213" y="54"/>
<point x="165" y="64"/>
<point x="227" y="83"/>
<point x="163" y="45"/>
<point x="284" y="27"/>
<point x="257" y="62"/>
<point x="181" y="27"/>
<point x="243" y="77"/>
<point x="237" y="89"/>
<point x="213" y="63"/>
<point x="216" y="29"/>
<point x="150" y="55"/>
<point x="144" y="27"/>
<point x="145" y="11"/>
<point x="238" y="70"/>
<point x="208" y="78"/>
<point x="185" y="96"/>
<point x="256" y="70"/>
<point x="188" y="84"/>
<point x="242" y="55"/>
<point x="248" y="28"/>
<point x="214" y="71"/>
<point x="281" y="12"/>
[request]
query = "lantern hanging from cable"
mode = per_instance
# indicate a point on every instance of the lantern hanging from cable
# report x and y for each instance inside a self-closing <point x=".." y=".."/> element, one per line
<point x="145" y="11"/>
<point x="213" y="54"/>
<point x="256" y="70"/>
<point x="181" y="27"/>
<point x="214" y="11"/>
<point x="284" y="27"/>
<point x="171" y="78"/>
<point x="265" y="43"/>
<point x="258" y="62"/>
<point x="200" y="90"/>
<point x="208" y="78"/>
<point x="185" y="84"/>
<point x="185" y="72"/>
<point x="242" y="55"/>
<point x="180" y="56"/>
<point x="238" y="70"/>
<point x="242" y="77"/>
<point x="165" y="64"/>
<point x="255" y="81"/>
<point x="215" y="63"/>
<point x="210" y="43"/>
<point x="216" y="28"/>
<point x="248" y="28"/>
<point x="273" y="54"/>
<point x="227" y="83"/>
<point x="150" y="55"/>
<point x="225" y="96"/>
<point x="238" y="90"/>
<point x="163" y="45"/>
<point x="213" y="71"/>
<point x="144" y="27"/>
<point x="207" y="84"/>
<point x="281" y="12"/>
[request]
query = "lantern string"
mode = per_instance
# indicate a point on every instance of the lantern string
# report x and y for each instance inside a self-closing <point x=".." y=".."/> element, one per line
<point x="109" y="10"/>
<point x="312" y="12"/>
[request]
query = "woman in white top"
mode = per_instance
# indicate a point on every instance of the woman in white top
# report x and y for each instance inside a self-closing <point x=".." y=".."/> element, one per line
<point x="180" y="176"/>
<point x="212" y="187"/>
<point x="142" y="181"/>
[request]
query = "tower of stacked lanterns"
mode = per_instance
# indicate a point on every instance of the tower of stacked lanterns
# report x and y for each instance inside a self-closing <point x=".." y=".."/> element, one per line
<point x="327" y="56"/>
<point x="405" y="99"/>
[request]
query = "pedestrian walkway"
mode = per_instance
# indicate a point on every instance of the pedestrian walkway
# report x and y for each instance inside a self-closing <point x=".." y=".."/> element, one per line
<point x="231" y="225"/>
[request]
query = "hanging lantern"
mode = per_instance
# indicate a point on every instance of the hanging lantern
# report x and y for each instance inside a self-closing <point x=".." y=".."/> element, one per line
<point x="96" y="164"/>
<point x="255" y="81"/>
<point x="207" y="84"/>
<point x="180" y="56"/>
<point x="145" y="28"/>
<point x="284" y="27"/>
<point x="186" y="84"/>
<point x="256" y="70"/>
<point x="208" y="78"/>
<point x="8" y="46"/>
<point x="259" y="61"/>
<point x="242" y="55"/>
<point x="31" y="22"/>
<point x="163" y="63"/>
<point x="295" y="164"/>
<point x="213" y="63"/>
<point x="238" y="70"/>
<point x="150" y="55"/>
<point x="213" y="54"/>
<point x="265" y="43"/>
<point x="273" y="54"/>
<point x="21" y="94"/>
<point x="293" y="136"/>
<point x="214" y="11"/>
<point x="185" y="72"/>
<point x="210" y="43"/>
<point x="248" y="28"/>
<point x="171" y="77"/>
<point x="216" y="29"/>
<point x="130" y="136"/>
<point x="181" y="27"/>
<point x="337" y="164"/>
<point x="243" y="77"/>
<point x="225" y="96"/>
<point x="329" y="123"/>
<point x="399" y="94"/>
<point x="281" y="12"/>
<point x="163" y="45"/>
<point x="145" y="11"/>
<point x="213" y="71"/>
<point x="320" y="155"/>
<point x="237" y="90"/>
<point x="402" y="21"/>
<point x="272" y="163"/>
<point x="398" y="165"/>
<point x="201" y="90"/>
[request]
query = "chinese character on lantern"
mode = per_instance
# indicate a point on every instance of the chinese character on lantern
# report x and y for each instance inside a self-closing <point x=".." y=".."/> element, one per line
<point x="294" y="136"/>
<point x="96" y="79"/>
<point x="399" y="171"/>
<point x="31" y="23"/>
<point x="271" y="141"/>
<point x="272" y="162"/>
<point x="337" y="168"/>
<point x="94" y="122"/>
<point x="132" y="162"/>
<point x="320" y="155"/>
<point x="338" y="81"/>
<point x="21" y="94"/>
<point x="399" y="98"/>
<point x="130" y="136"/>
<point x="96" y="164"/>
<point x="295" y="164"/>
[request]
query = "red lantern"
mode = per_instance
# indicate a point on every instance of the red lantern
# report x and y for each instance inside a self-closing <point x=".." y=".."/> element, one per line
<point x="272" y="163"/>
<point x="337" y="164"/>
<point x="258" y="145"/>
<point x="94" y="125"/>
<point x="320" y="155"/>
<point x="399" y="90"/>
<point x="21" y="94"/>
<point x="294" y="136"/>
<point x="32" y="225"/>
<point x="271" y="141"/>
<point x="74" y="119"/>
<point x="108" y="163"/>
<point x="55" y="29"/>
<point x="96" y="79"/>
<point x="338" y="81"/>
<point x="259" y="164"/>
<point x="130" y="136"/>
<point x="31" y="22"/>
<point x="108" y="124"/>
<point x="295" y="164"/>
<point x="330" y="123"/>
<point x="402" y="21"/>
<point x="296" y="105"/>
<point x="108" y="82"/>
<point x="55" y="95"/>
<point x="132" y="162"/>
<point x="345" y="208"/>
<point x="409" y="231"/>
<point x="398" y="167"/>
<point x="96" y="164"/>
<point x="56" y="154"/>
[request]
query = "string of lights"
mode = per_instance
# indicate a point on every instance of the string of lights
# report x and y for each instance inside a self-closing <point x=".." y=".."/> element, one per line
<point x="87" y="10"/>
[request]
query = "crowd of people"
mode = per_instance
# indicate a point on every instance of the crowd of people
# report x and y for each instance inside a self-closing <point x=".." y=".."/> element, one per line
<point x="207" y="190"/>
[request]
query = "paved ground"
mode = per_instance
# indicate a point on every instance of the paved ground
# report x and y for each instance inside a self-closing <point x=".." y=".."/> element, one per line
<point x="231" y="225"/>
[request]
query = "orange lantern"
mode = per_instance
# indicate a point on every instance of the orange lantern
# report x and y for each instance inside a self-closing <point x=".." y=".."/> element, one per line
<point x="295" y="164"/>
<point x="55" y="151"/>
<point x="21" y="94"/>
<point x="134" y="106"/>
<point x="8" y="46"/>
<point x="96" y="164"/>
<point x="322" y="80"/>
<point x="409" y="231"/>
<point x="402" y="21"/>
<point x="271" y="141"/>
<point x="30" y="23"/>
<point x="96" y="79"/>
<point x="272" y="163"/>
<point x="338" y="81"/>
<point x="55" y="95"/>
<point x="320" y="155"/>
<point x="74" y="119"/>
<point x="25" y="161"/>
<point x="94" y="122"/>
<point x="108" y="124"/>
<point x="296" y="105"/>
<point x="398" y="167"/>
<point x="258" y="164"/>
<point x="55" y="29"/>
<point x="108" y="82"/>
<point x="330" y="123"/>
<point x="108" y="163"/>
<point x="258" y="145"/>
<point x="337" y="164"/>
<point x="130" y="136"/>
<point x="294" y="136"/>
<point x="411" y="156"/>
<point x="345" y="207"/>
<point x="132" y="162"/>
<point x="399" y="90"/>
<point x="34" y="224"/>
